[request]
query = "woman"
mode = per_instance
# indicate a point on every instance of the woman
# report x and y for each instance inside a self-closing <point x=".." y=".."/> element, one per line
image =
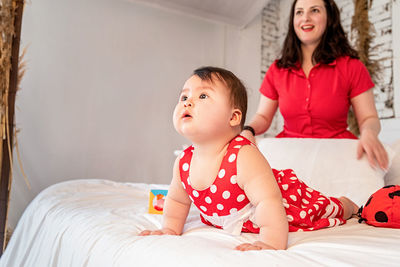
<point x="316" y="80"/>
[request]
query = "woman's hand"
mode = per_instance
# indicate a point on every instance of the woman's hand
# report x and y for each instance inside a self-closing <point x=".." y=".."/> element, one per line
<point x="258" y="245"/>
<point x="373" y="148"/>
<point x="368" y="122"/>
<point x="164" y="231"/>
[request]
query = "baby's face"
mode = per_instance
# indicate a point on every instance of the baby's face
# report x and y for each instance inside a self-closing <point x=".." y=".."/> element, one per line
<point x="203" y="108"/>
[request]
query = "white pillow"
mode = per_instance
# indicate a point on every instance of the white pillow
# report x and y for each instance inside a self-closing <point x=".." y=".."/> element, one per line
<point x="393" y="175"/>
<point x="327" y="165"/>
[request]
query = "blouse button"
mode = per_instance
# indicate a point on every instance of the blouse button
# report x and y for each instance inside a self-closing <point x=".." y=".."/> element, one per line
<point x="307" y="99"/>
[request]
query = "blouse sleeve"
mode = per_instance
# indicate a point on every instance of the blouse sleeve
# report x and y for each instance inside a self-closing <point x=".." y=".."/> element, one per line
<point x="268" y="88"/>
<point x="360" y="80"/>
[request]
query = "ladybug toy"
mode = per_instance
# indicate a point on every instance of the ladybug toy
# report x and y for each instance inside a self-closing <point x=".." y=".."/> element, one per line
<point x="382" y="208"/>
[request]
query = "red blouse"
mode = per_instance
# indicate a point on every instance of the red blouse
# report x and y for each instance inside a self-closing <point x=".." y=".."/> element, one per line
<point x="317" y="106"/>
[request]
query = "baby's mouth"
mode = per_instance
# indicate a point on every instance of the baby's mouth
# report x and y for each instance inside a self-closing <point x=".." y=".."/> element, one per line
<point x="186" y="115"/>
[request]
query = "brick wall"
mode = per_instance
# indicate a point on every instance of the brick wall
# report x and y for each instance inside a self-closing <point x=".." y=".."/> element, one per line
<point x="270" y="35"/>
<point x="274" y="27"/>
<point x="271" y="40"/>
<point x="380" y="16"/>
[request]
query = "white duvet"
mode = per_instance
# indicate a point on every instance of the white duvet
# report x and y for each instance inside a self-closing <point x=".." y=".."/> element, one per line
<point x="96" y="222"/>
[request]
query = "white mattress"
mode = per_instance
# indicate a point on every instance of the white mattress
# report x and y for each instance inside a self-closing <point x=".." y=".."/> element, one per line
<point x="96" y="222"/>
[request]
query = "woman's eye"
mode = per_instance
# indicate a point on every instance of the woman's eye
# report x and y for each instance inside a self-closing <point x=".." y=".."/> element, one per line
<point x="203" y="96"/>
<point x="299" y="12"/>
<point x="184" y="98"/>
<point x="315" y="10"/>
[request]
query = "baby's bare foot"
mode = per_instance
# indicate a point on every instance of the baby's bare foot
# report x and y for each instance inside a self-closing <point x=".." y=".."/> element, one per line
<point x="350" y="208"/>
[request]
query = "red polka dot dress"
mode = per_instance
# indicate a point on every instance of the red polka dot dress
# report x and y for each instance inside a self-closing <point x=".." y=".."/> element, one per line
<point x="225" y="205"/>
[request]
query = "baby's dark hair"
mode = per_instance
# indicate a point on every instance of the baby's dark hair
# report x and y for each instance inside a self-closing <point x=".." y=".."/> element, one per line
<point x="234" y="84"/>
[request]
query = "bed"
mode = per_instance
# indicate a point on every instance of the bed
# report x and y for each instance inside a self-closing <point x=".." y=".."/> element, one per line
<point x="96" y="222"/>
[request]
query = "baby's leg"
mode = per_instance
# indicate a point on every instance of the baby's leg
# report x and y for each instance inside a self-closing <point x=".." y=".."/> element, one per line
<point x="349" y="207"/>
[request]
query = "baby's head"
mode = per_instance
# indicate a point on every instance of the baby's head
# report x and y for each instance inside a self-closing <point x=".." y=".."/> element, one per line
<point x="237" y="91"/>
<point x="212" y="104"/>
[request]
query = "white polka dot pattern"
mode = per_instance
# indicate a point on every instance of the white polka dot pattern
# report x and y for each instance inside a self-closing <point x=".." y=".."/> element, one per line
<point x="185" y="167"/>
<point x="306" y="209"/>
<point x="303" y="214"/>
<point x="240" y="198"/>
<point x="226" y="194"/>
<point x="213" y="188"/>
<point x="218" y="197"/>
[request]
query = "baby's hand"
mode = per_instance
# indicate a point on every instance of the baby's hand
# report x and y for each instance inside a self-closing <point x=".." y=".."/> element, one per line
<point x="164" y="231"/>
<point x="258" y="245"/>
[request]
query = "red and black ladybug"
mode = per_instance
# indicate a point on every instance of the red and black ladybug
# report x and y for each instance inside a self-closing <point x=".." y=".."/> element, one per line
<point x="382" y="208"/>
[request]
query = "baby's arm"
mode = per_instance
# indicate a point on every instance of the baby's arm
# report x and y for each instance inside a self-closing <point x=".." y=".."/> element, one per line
<point x="257" y="180"/>
<point x="176" y="208"/>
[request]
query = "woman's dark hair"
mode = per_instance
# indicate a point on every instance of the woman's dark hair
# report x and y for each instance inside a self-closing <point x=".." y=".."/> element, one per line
<point x="333" y="42"/>
<point x="237" y="89"/>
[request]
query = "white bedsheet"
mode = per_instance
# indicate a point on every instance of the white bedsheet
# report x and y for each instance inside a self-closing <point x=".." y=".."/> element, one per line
<point x="96" y="222"/>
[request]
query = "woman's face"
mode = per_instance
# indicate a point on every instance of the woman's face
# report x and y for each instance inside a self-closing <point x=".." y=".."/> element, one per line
<point x="309" y="21"/>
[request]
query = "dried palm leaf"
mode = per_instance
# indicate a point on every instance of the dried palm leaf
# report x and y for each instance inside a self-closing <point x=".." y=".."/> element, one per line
<point x="364" y="31"/>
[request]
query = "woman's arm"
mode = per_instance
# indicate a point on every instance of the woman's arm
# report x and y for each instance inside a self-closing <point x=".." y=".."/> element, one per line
<point x="256" y="178"/>
<point x="369" y="125"/>
<point x="176" y="208"/>
<point x="263" y="117"/>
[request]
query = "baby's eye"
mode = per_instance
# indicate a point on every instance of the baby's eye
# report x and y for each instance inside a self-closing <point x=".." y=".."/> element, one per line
<point x="203" y="96"/>
<point x="184" y="98"/>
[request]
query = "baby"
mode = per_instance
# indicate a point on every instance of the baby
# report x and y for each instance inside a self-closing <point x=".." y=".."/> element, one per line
<point x="229" y="180"/>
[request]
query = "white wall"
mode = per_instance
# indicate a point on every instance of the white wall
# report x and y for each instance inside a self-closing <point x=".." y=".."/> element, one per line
<point x="101" y="83"/>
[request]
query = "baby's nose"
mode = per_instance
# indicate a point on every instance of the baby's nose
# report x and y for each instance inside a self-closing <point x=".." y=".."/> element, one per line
<point x="187" y="104"/>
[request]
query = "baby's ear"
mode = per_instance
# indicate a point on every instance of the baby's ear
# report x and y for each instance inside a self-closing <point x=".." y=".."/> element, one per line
<point x="236" y="117"/>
